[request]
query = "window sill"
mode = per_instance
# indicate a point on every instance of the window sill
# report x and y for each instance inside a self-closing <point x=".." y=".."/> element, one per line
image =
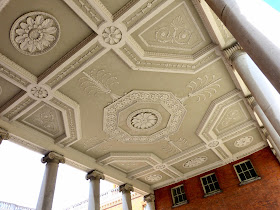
<point x="212" y="193"/>
<point x="249" y="181"/>
<point x="180" y="204"/>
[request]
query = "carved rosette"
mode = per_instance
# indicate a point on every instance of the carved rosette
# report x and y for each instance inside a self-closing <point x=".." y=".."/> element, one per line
<point x="153" y="178"/>
<point x="53" y="157"/>
<point x="39" y="92"/>
<point x="35" y="33"/>
<point x="213" y="144"/>
<point x="160" y="167"/>
<point x="195" y="162"/>
<point x="244" y="141"/>
<point x="144" y="119"/>
<point x="112" y="35"/>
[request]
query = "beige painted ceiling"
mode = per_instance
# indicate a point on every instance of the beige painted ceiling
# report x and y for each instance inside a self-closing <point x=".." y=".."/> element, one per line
<point x="139" y="89"/>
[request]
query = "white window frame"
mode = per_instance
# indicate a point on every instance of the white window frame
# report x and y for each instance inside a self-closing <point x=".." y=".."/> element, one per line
<point x="247" y="181"/>
<point x="212" y="192"/>
<point x="173" y="200"/>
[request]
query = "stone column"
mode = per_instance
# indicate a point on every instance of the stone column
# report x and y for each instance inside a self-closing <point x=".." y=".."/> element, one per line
<point x="126" y="197"/>
<point x="48" y="184"/>
<point x="262" y="90"/>
<point x="150" y="199"/>
<point x="272" y="134"/>
<point x="250" y="26"/>
<point x="4" y="135"/>
<point x="94" y="189"/>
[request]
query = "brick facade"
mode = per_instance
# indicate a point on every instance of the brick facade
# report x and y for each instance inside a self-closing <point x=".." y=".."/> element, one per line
<point x="261" y="194"/>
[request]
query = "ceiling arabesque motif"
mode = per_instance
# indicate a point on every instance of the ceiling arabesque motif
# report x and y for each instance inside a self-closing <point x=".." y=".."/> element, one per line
<point x="137" y="89"/>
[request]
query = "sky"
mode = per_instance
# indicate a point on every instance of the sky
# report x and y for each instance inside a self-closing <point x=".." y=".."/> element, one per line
<point x="274" y="3"/>
<point x="22" y="174"/>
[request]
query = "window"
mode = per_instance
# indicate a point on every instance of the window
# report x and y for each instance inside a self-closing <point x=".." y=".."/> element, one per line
<point x="210" y="185"/>
<point x="178" y="196"/>
<point x="246" y="172"/>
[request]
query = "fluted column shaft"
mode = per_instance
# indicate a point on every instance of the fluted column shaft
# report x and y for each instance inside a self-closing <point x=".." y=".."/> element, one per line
<point x="94" y="189"/>
<point x="150" y="200"/>
<point x="126" y="197"/>
<point x="45" y="199"/>
<point x="275" y="138"/>
<point x="264" y="93"/>
<point x="252" y="31"/>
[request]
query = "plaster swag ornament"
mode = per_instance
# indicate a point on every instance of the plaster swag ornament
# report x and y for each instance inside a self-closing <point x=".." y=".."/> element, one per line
<point x="39" y="92"/>
<point x="35" y="33"/>
<point x="195" y="162"/>
<point x="112" y="35"/>
<point x="244" y="141"/>
<point x="153" y="178"/>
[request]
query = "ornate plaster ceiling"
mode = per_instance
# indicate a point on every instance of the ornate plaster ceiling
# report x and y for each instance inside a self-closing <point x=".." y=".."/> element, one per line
<point x="139" y="90"/>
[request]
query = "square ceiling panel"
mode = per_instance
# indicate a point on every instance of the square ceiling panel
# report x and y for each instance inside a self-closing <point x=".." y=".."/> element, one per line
<point x="36" y="34"/>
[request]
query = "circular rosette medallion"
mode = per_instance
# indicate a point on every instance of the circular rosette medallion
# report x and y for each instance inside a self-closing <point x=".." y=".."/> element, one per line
<point x="35" y="33"/>
<point x="144" y="119"/>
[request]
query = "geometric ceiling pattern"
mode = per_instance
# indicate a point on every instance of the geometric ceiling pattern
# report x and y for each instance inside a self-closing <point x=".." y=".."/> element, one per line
<point x="138" y="89"/>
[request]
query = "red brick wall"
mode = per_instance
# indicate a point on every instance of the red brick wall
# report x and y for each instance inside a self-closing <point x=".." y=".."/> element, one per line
<point x="261" y="194"/>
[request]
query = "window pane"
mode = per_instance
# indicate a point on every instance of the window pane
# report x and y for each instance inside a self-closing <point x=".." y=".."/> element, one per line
<point x="253" y="173"/>
<point x="184" y="197"/>
<point x="214" y="179"/>
<point x="178" y="190"/>
<point x="247" y="174"/>
<point x="204" y="181"/>
<point x="242" y="177"/>
<point x="181" y="198"/>
<point x="182" y="189"/>
<point x="243" y="166"/>
<point x="209" y="179"/>
<point x="238" y="169"/>
<point x="174" y="192"/>
<point x="176" y="200"/>
<point x="217" y="185"/>
<point x="207" y="189"/>
<point x="212" y="188"/>
<point x="249" y="165"/>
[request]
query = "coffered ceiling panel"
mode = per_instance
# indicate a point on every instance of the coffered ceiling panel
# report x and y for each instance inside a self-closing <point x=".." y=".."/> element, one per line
<point x="41" y="29"/>
<point x="139" y="90"/>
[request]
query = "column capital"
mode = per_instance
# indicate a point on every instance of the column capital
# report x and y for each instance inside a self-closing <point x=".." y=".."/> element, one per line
<point x="94" y="174"/>
<point x="149" y="198"/>
<point x="252" y="102"/>
<point x="4" y="135"/>
<point x="234" y="51"/>
<point x="53" y="157"/>
<point x="126" y="188"/>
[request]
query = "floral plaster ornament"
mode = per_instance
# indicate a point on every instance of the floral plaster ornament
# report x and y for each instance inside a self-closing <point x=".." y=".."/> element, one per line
<point x="35" y="33"/>
<point x="112" y="35"/>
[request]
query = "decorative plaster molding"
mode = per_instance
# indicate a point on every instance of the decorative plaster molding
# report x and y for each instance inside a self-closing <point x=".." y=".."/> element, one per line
<point x="153" y="178"/>
<point x="112" y="35"/>
<point x="244" y="141"/>
<point x="94" y="174"/>
<point x="144" y="119"/>
<point x="35" y="33"/>
<point x="160" y="167"/>
<point x="195" y="162"/>
<point x="165" y="99"/>
<point x="53" y="157"/>
<point x="74" y="66"/>
<point x="99" y="81"/>
<point x="4" y="135"/>
<point x="213" y="144"/>
<point x="14" y="78"/>
<point x="202" y="88"/>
